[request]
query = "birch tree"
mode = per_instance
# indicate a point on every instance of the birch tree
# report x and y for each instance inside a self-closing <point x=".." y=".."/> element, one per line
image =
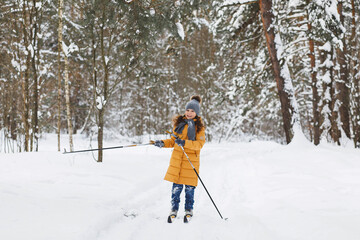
<point x="59" y="31"/>
<point x="26" y="81"/>
<point x="36" y="10"/>
<point x="66" y="52"/>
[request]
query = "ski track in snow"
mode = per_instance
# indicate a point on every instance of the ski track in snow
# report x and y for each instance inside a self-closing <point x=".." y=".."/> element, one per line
<point x="266" y="190"/>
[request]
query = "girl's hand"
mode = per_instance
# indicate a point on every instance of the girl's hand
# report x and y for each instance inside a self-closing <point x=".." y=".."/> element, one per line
<point x="159" y="143"/>
<point x="180" y="142"/>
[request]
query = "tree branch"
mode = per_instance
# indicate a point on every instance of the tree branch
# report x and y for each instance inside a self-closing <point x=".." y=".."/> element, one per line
<point x="239" y="3"/>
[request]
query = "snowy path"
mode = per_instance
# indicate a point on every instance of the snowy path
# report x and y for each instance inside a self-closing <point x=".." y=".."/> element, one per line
<point x="267" y="191"/>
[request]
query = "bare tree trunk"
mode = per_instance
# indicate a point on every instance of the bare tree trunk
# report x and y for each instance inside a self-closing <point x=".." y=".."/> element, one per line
<point x="100" y="134"/>
<point x="35" y="109"/>
<point x="5" y="97"/>
<point x="314" y="86"/>
<point x="334" y="130"/>
<point x="103" y="98"/>
<point x="25" y="83"/>
<point x="343" y="84"/>
<point x="14" y="110"/>
<point x="59" y="72"/>
<point x="331" y="114"/>
<point x="67" y="99"/>
<point x="354" y="67"/>
<point x="356" y="117"/>
<point x="67" y="86"/>
<point x="95" y="86"/>
<point x="285" y="94"/>
<point x="35" y="119"/>
<point x="316" y="98"/>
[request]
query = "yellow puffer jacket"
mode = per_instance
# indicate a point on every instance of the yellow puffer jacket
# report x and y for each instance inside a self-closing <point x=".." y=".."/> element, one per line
<point x="180" y="170"/>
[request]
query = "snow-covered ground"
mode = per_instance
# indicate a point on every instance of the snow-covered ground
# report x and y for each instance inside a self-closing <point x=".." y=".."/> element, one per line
<point x="266" y="190"/>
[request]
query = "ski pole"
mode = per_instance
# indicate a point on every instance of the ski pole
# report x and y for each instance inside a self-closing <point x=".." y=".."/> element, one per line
<point x="97" y="149"/>
<point x="197" y="174"/>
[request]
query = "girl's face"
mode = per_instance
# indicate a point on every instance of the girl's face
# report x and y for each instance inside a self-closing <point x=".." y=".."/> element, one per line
<point x="190" y="114"/>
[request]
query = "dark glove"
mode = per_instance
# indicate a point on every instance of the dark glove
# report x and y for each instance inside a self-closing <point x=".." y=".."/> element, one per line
<point x="180" y="142"/>
<point x="159" y="143"/>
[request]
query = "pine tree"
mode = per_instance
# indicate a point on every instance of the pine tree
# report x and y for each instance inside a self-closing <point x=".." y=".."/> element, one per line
<point x="281" y="71"/>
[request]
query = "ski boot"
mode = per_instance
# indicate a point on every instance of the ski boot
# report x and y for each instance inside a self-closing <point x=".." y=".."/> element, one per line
<point x="172" y="216"/>
<point x="188" y="216"/>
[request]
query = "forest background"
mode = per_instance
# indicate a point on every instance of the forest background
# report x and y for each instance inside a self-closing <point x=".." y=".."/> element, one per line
<point x="124" y="67"/>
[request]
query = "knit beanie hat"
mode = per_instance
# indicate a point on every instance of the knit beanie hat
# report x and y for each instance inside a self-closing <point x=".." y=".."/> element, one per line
<point x="194" y="104"/>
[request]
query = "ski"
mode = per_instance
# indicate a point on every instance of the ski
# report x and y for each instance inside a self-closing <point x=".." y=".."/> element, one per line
<point x="171" y="218"/>
<point x="187" y="218"/>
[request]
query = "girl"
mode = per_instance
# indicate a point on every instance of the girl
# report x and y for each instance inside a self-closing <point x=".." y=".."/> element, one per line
<point x="189" y="134"/>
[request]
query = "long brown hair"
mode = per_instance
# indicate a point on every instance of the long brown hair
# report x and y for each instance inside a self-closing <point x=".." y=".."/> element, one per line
<point x="181" y="118"/>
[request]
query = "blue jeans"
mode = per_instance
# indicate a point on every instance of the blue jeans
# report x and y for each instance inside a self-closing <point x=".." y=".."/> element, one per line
<point x="189" y="196"/>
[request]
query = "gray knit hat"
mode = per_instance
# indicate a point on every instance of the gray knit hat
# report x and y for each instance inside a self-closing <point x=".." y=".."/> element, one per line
<point x="194" y="104"/>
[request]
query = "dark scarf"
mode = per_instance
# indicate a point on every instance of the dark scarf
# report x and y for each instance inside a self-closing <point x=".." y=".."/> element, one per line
<point x="191" y="128"/>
